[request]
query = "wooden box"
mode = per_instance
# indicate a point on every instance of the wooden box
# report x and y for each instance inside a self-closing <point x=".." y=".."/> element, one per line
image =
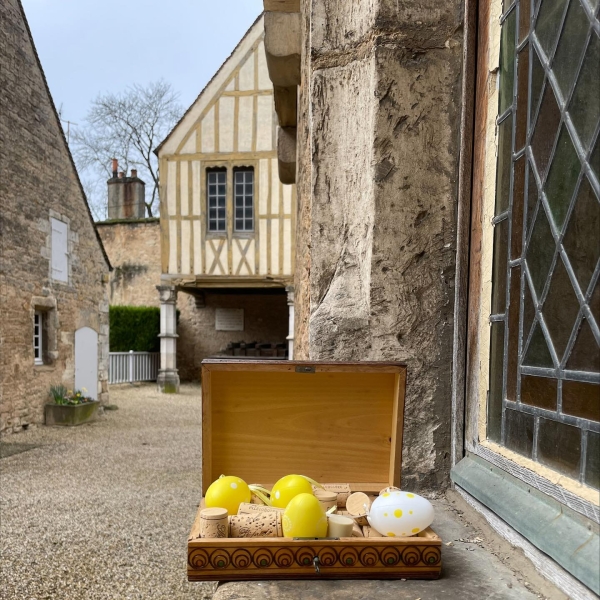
<point x="336" y="423"/>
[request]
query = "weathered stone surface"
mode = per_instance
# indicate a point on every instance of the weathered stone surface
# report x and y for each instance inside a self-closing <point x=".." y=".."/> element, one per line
<point x="377" y="167"/>
<point x="282" y="47"/>
<point x="39" y="182"/>
<point x="286" y="105"/>
<point x="282" y="5"/>
<point x="286" y="154"/>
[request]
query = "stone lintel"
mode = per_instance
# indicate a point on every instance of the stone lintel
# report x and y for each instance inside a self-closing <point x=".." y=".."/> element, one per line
<point x="283" y="47"/>
<point x="286" y="105"/>
<point x="286" y="154"/>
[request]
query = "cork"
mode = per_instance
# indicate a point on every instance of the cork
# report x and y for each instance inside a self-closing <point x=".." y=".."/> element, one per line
<point x="250" y="509"/>
<point x="258" y="524"/>
<point x="327" y="499"/>
<point x="213" y="523"/>
<point x="370" y="532"/>
<point x="342" y="491"/>
<point x="355" y="505"/>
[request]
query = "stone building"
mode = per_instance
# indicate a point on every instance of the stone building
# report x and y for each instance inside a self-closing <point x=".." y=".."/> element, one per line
<point x="448" y="181"/>
<point x="53" y="268"/>
<point x="227" y="221"/>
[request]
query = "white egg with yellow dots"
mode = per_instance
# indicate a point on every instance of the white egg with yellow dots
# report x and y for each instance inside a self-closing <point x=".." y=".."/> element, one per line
<point x="398" y="514"/>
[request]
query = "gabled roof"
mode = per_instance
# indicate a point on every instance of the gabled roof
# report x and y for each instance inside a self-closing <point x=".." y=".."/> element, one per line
<point x="218" y="79"/>
<point x="62" y="134"/>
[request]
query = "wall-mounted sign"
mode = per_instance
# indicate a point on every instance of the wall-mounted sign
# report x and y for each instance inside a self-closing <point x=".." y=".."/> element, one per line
<point x="229" y="319"/>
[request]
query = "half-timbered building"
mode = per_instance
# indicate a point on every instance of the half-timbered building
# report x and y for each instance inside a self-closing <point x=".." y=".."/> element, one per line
<point x="227" y="221"/>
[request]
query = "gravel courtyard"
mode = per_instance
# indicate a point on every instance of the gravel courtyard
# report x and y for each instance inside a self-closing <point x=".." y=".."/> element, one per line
<point x="103" y="510"/>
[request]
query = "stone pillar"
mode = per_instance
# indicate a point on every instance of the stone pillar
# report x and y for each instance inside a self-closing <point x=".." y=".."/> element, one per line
<point x="290" y="337"/>
<point x="168" y="377"/>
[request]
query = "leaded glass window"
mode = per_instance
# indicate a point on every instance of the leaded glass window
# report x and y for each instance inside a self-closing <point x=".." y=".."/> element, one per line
<point x="216" y="193"/>
<point x="544" y="389"/>
<point x="244" y="198"/>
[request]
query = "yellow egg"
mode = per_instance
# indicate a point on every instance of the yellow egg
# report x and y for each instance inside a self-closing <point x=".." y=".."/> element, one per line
<point x="287" y="488"/>
<point x="304" y="517"/>
<point x="227" y="492"/>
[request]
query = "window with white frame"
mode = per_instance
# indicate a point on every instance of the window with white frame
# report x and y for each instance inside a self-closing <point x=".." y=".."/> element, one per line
<point x="216" y="194"/>
<point x="38" y="338"/>
<point x="244" y="198"/>
<point x="60" y="253"/>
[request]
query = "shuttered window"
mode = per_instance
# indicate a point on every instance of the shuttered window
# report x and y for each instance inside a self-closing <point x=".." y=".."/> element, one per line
<point x="60" y="260"/>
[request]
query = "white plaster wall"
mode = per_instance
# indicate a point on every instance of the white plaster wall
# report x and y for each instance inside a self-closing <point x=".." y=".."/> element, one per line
<point x="264" y="129"/>
<point x="208" y="131"/>
<point x="246" y="76"/>
<point x="183" y="188"/>
<point x="226" y="123"/>
<point x="245" y="123"/>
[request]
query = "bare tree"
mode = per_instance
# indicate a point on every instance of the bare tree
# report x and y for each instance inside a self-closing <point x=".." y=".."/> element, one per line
<point x="127" y="126"/>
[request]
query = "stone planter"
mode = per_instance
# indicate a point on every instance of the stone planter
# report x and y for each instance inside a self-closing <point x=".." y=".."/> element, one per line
<point x="69" y="415"/>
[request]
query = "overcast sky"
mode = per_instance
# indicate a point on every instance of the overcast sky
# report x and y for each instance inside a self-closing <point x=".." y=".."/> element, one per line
<point x="87" y="47"/>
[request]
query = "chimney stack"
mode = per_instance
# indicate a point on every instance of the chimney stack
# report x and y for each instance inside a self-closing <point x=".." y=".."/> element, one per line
<point x="126" y="195"/>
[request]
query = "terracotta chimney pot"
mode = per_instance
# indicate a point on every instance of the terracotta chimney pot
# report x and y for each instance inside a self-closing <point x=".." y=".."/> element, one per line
<point x="115" y="167"/>
<point x="121" y="174"/>
<point x="134" y="172"/>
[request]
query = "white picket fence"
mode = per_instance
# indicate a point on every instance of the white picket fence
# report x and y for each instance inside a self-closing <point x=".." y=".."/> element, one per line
<point x="127" y="367"/>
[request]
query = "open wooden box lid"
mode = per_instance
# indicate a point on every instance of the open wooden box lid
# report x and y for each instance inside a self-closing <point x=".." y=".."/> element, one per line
<point x="334" y="422"/>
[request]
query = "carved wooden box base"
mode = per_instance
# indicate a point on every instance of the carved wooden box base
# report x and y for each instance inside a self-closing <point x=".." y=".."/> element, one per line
<point x="230" y="559"/>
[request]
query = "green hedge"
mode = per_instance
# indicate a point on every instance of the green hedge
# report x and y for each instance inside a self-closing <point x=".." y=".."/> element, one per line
<point x="134" y="328"/>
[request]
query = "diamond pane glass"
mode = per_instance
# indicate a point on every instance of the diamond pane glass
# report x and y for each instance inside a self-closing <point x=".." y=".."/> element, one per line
<point x="585" y="355"/>
<point x="532" y="196"/>
<point x="595" y="159"/>
<point x="540" y="252"/>
<point x="560" y="309"/>
<point x="528" y="312"/>
<point x="585" y="104"/>
<point x="504" y="164"/>
<point x="524" y="18"/>
<point x="522" y="97"/>
<point x="537" y="354"/>
<point x="562" y="178"/>
<point x="507" y="61"/>
<point x="582" y="237"/>
<point x="545" y="131"/>
<point x="547" y="26"/>
<point x="516" y="236"/>
<point x="499" y="269"/>
<point x="570" y="47"/>
<point x="537" y="81"/>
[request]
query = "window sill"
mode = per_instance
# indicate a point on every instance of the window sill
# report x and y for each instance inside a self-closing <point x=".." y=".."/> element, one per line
<point x="566" y="536"/>
<point x="44" y="368"/>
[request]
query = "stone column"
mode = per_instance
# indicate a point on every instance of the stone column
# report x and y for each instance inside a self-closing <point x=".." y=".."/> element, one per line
<point x="290" y="337"/>
<point x="168" y="377"/>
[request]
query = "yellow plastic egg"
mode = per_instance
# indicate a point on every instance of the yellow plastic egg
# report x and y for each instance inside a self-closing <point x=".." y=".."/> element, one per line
<point x="304" y="517"/>
<point x="287" y="488"/>
<point x="227" y="492"/>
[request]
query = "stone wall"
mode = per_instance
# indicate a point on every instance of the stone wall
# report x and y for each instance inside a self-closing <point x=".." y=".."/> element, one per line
<point x="265" y="320"/>
<point x="134" y="251"/>
<point x="377" y="170"/>
<point x="39" y="182"/>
